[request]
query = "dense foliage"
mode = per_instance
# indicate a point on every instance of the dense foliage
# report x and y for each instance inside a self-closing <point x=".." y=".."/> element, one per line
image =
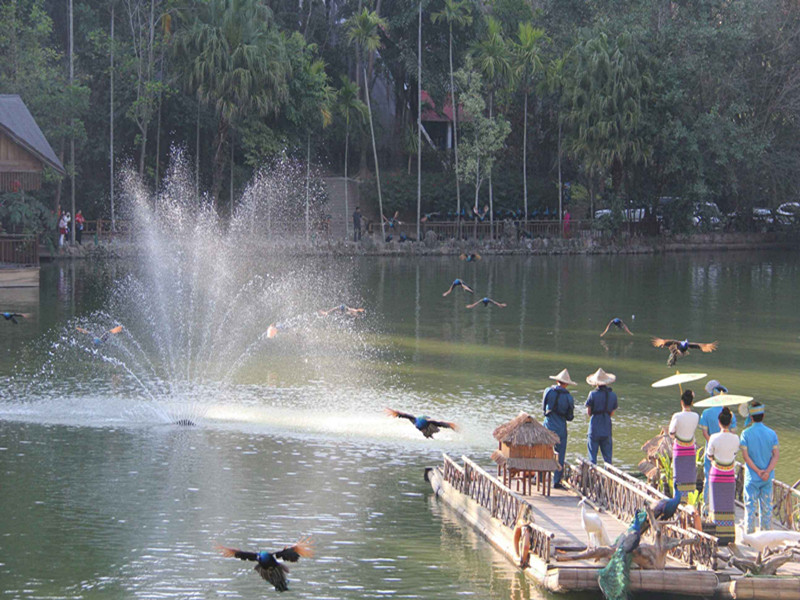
<point x="629" y="101"/>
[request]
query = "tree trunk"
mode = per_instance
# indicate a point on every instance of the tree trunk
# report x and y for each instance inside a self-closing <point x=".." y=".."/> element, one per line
<point x="560" y="186"/>
<point x="111" y="128"/>
<point x="455" y="135"/>
<point x="419" y="121"/>
<point x="231" y="181"/>
<point x="375" y="155"/>
<point x="477" y="189"/>
<point x="525" y="161"/>
<point x="197" y="154"/>
<point x="219" y="160"/>
<point x="72" y="137"/>
<point x="491" y="190"/>
<point x="308" y="179"/>
<point x="346" y="181"/>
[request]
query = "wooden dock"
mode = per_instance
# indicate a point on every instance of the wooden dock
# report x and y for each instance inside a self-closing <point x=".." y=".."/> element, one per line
<point x="492" y="509"/>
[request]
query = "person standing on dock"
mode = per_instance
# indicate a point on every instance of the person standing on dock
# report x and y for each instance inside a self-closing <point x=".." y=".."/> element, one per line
<point x="760" y="452"/>
<point x="558" y="407"/>
<point x="709" y="423"/>
<point x="600" y="406"/>
<point x="721" y="449"/>
<point x="684" y="450"/>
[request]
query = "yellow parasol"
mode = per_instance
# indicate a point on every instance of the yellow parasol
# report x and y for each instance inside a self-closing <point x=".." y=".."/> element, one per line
<point x="723" y="400"/>
<point x="677" y="379"/>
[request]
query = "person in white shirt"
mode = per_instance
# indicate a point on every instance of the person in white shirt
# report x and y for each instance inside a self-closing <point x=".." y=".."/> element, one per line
<point x="684" y="449"/>
<point x="722" y="448"/>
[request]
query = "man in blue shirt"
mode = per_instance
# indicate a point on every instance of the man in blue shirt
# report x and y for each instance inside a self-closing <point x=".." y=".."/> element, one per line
<point x="600" y="406"/>
<point x="558" y="407"/>
<point x="709" y="423"/>
<point x="759" y="446"/>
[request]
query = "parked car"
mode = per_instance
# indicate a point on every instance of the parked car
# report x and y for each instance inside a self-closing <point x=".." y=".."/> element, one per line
<point x="763" y="215"/>
<point x="634" y="215"/>
<point x="707" y="215"/>
<point x="788" y="213"/>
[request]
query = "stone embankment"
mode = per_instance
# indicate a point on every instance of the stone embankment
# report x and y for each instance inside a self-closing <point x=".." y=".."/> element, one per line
<point x="371" y="246"/>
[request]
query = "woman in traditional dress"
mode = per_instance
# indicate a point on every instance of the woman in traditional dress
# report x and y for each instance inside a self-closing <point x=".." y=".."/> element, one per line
<point x="681" y="430"/>
<point x="722" y="449"/>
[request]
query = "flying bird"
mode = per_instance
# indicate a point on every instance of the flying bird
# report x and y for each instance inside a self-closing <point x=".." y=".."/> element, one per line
<point x="425" y="424"/>
<point x="614" y="579"/>
<point x="458" y="283"/>
<point x="268" y="566"/>
<point x="481" y="215"/>
<point x="393" y="221"/>
<point x="274" y="328"/>
<point x="593" y="526"/>
<point x="99" y="340"/>
<point x="677" y="348"/>
<point x="471" y="257"/>
<point x="486" y="302"/>
<point x="619" y="323"/>
<point x="428" y="216"/>
<point x="343" y="309"/>
<point x="12" y="316"/>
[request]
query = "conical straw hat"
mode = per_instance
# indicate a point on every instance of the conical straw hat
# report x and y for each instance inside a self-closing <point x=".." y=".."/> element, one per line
<point x="600" y="377"/>
<point x="563" y="377"/>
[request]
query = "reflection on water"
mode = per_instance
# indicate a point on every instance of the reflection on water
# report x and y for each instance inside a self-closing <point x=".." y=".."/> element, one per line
<point x="119" y="504"/>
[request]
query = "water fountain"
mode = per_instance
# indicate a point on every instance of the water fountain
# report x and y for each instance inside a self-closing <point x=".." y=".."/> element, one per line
<point x="195" y="308"/>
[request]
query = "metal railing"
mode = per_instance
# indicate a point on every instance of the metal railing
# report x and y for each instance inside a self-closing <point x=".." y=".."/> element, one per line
<point x="19" y="250"/>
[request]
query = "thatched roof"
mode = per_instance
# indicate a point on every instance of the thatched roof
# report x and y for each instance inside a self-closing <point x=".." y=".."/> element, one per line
<point x="526" y="464"/>
<point x="661" y="444"/>
<point x="524" y="430"/>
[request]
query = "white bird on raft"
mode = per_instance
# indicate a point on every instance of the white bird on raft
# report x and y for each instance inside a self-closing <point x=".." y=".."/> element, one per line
<point x="593" y="526"/>
<point x="771" y="539"/>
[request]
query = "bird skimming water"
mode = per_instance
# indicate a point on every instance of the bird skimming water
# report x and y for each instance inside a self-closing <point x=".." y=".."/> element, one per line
<point x="425" y="424"/>
<point x="486" y="302"/>
<point x="619" y="323"/>
<point x="99" y="340"/>
<point x="12" y="316"/>
<point x="677" y="348"/>
<point x="268" y="566"/>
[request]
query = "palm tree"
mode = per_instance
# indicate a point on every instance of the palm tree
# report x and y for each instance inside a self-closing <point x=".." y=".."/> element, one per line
<point x="455" y="11"/>
<point x="362" y="30"/>
<point x="348" y="104"/>
<point x="237" y="63"/>
<point x="527" y="52"/>
<point x="493" y="60"/>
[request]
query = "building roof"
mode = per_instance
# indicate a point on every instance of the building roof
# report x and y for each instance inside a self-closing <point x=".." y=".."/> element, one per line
<point x="429" y="112"/>
<point x="526" y="464"/>
<point x="524" y="430"/>
<point x="17" y="122"/>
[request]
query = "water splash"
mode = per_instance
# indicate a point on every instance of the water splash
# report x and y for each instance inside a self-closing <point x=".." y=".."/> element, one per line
<point x="197" y="303"/>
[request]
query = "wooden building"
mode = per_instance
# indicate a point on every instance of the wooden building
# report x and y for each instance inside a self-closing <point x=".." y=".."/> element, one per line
<point x="24" y="151"/>
<point x="526" y="451"/>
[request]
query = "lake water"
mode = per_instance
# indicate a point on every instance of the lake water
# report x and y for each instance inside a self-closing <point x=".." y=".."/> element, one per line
<point x="102" y="497"/>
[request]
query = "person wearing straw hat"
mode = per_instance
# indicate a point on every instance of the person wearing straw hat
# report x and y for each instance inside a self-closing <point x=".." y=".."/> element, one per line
<point x="600" y="406"/>
<point x="558" y="407"/>
<point x="759" y="446"/>
<point x="709" y="425"/>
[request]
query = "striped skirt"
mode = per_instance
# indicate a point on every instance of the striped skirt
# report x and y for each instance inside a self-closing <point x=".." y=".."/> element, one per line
<point x="722" y="489"/>
<point x="684" y="467"/>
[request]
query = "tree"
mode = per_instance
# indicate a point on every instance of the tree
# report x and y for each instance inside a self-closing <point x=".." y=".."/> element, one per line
<point x="362" y="30"/>
<point x="237" y="63"/>
<point x="483" y="136"/>
<point x="493" y="59"/>
<point x="528" y="65"/>
<point x="605" y="87"/>
<point x="454" y="12"/>
<point x="348" y="104"/>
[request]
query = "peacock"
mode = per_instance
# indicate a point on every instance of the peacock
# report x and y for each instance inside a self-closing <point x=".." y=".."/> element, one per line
<point x="593" y="526"/>
<point x="425" y="425"/>
<point x="12" y="316"/>
<point x="679" y="348"/>
<point x="268" y="566"/>
<point x="614" y="578"/>
<point x="665" y="509"/>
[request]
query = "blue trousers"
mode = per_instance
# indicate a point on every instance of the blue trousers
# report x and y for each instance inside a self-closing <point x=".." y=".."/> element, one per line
<point x="605" y="445"/>
<point x="757" y="499"/>
<point x="559" y="428"/>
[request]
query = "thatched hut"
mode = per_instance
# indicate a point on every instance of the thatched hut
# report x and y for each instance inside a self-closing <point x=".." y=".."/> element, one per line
<point x="526" y="451"/>
<point x="660" y="445"/>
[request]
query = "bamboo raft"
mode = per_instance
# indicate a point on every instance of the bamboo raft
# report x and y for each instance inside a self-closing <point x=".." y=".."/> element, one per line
<point x="693" y="569"/>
